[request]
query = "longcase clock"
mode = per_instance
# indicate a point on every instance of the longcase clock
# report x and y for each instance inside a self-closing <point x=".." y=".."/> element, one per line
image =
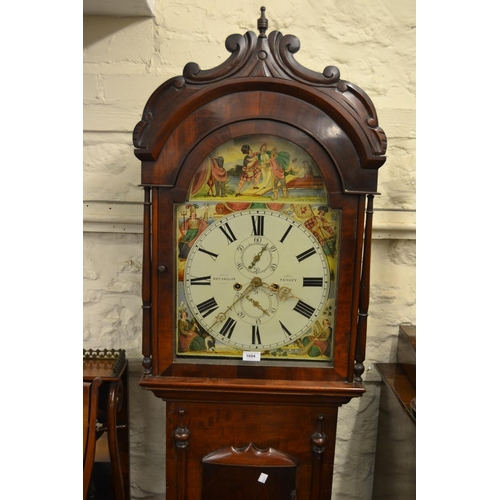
<point x="259" y="177"/>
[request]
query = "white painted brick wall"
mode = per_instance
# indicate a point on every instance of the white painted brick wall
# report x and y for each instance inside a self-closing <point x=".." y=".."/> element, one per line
<point x="125" y="60"/>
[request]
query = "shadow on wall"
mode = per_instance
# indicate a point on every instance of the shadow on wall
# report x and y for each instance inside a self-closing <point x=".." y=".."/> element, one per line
<point x="98" y="28"/>
<point x="355" y="446"/>
<point x="147" y="439"/>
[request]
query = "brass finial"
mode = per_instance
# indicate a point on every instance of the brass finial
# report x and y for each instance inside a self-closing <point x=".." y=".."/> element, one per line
<point x="262" y="23"/>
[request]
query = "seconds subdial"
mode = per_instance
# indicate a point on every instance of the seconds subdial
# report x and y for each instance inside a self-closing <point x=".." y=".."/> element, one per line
<point x="256" y="256"/>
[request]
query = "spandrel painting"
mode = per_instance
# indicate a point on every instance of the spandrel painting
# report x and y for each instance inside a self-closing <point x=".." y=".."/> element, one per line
<point x="257" y="256"/>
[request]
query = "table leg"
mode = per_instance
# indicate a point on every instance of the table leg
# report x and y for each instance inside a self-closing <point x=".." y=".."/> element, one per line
<point x="114" y="398"/>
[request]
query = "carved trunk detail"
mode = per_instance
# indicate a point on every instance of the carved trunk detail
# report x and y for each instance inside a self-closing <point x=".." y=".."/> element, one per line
<point x="181" y="440"/>
<point x="318" y="442"/>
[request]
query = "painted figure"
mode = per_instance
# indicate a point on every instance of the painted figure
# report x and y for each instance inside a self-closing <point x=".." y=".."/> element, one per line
<point x="324" y="231"/>
<point x="189" y="340"/>
<point x="278" y="176"/>
<point x="190" y="230"/>
<point x="218" y="176"/>
<point x="264" y="157"/>
<point x="318" y="343"/>
<point x="251" y="171"/>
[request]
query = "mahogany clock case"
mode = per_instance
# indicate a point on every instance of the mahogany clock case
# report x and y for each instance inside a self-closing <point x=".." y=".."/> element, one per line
<point x="220" y="406"/>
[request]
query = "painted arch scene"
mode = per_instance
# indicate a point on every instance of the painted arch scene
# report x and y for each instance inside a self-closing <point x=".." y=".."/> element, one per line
<point x="259" y="167"/>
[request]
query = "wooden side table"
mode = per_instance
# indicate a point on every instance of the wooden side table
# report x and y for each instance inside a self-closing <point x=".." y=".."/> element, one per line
<point x="395" y="459"/>
<point x="112" y="366"/>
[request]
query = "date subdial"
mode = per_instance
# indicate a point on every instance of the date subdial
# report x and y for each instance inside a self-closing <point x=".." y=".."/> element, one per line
<point x="257" y="307"/>
<point x="256" y="256"/>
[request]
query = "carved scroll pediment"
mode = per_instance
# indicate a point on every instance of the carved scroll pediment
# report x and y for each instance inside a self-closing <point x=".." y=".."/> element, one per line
<point x="272" y="57"/>
<point x="268" y="57"/>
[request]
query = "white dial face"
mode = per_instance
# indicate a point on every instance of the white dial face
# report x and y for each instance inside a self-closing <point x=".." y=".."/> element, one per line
<point x="256" y="279"/>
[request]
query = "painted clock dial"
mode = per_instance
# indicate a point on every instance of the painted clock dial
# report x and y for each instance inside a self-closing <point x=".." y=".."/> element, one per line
<point x="256" y="279"/>
<point x="257" y="256"/>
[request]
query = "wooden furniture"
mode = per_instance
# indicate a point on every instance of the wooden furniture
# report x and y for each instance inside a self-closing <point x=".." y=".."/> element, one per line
<point x="90" y="405"/>
<point x="111" y="366"/>
<point x="395" y="460"/>
<point x="259" y="177"/>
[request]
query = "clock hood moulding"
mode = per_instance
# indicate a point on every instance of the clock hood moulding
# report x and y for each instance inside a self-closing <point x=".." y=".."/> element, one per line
<point x="262" y="64"/>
